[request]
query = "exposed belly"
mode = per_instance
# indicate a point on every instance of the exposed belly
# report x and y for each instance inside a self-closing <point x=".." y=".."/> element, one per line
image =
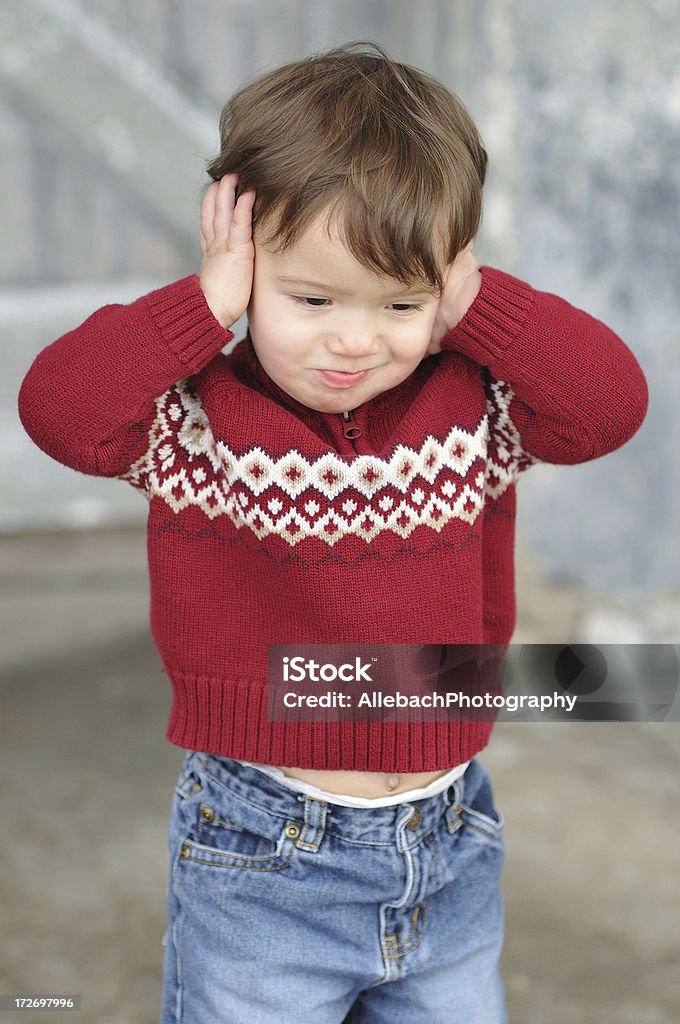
<point x="364" y="784"/>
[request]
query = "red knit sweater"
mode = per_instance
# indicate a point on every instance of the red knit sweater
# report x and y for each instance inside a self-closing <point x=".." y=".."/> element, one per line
<point x="267" y="524"/>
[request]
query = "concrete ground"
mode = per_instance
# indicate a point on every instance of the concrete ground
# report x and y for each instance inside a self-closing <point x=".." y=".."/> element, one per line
<point x="593" y="825"/>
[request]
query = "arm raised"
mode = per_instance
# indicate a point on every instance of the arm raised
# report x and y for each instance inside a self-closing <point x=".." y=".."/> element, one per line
<point x="89" y="398"/>
<point x="578" y="390"/>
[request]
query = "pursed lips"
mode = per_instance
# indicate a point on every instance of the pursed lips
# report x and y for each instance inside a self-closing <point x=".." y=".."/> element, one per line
<point x="343" y="378"/>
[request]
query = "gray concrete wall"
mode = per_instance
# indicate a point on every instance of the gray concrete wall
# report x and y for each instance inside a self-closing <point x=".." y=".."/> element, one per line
<point x="109" y="109"/>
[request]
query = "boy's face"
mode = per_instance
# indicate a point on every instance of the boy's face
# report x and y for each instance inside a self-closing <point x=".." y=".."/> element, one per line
<point x="330" y="332"/>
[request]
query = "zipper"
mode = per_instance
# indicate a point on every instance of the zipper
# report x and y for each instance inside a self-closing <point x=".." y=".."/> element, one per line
<point x="349" y="426"/>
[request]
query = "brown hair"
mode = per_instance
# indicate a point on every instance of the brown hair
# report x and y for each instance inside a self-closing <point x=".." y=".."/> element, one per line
<point x="384" y="148"/>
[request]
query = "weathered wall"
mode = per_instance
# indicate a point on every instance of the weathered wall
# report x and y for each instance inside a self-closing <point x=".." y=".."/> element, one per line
<point x="597" y="213"/>
<point x="106" y="121"/>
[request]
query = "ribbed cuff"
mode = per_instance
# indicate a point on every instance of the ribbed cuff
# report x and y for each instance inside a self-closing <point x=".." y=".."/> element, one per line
<point x="186" y="322"/>
<point x="494" y="319"/>
<point x="231" y="720"/>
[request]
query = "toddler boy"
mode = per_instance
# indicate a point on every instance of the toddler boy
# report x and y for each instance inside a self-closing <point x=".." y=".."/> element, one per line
<point x="345" y="475"/>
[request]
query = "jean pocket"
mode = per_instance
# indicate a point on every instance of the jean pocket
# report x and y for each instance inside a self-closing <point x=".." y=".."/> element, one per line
<point x="489" y="824"/>
<point x="474" y="806"/>
<point x="230" y="833"/>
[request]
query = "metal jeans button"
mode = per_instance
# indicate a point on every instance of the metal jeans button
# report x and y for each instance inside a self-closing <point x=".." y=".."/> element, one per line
<point x="414" y="820"/>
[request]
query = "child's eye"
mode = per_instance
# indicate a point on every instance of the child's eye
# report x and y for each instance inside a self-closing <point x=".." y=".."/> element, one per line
<point x="405" y="307"/>
<point x="309" y="300"/>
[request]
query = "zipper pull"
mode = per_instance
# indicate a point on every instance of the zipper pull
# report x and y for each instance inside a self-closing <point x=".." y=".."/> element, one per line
<point x="349" y="426"/>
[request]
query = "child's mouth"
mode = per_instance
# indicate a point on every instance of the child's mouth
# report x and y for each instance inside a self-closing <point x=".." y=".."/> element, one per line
<point x="342" y="379"/>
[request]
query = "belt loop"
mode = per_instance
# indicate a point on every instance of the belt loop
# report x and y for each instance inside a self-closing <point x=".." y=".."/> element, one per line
<point x="454" y="794"/>
<point x="314" y="826"/>
<point x="452" y="814"/>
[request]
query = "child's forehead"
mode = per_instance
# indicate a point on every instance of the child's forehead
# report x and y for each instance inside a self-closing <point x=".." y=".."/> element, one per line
<point x="320" y="255"/>
<point x="322" y="234"/>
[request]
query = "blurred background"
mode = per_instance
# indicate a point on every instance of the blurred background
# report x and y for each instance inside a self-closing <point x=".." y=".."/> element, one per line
<point x="108" y="115"/>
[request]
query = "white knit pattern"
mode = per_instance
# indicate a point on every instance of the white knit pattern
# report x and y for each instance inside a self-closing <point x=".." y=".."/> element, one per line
<point x="328" y="497"/>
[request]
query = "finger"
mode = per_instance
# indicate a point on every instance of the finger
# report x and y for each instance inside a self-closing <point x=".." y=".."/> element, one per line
<point x="207" y="215"/>
<point x="464" y="252"/>
<point x="225" y="200"/>
<point x="241" y="228"/>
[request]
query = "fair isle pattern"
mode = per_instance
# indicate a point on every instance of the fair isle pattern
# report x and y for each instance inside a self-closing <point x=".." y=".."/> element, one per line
<point x="328" y="497"/>
<point x="506" y="458"/>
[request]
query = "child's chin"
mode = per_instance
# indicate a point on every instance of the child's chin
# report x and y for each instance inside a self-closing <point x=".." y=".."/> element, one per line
<point x="328" y="407"/>
<point x="342" y="402"/>
<point x="334" y="402"/>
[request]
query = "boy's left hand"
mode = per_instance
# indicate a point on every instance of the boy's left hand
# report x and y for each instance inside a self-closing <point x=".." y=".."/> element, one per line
<point x="461" y="285"/>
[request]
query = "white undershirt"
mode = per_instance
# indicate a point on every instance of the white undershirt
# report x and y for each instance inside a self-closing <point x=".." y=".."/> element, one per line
<point x="408" y="796"/>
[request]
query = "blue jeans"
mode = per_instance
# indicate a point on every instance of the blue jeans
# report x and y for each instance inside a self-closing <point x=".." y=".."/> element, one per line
<point x="285" y="909"/>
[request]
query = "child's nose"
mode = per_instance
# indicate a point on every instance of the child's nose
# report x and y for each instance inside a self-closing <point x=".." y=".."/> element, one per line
<point x="359" y="340"/>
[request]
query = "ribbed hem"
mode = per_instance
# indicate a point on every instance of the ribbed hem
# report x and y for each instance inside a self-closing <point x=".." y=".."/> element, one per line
<point x="494" y="319"/>
<point x="187" y="324"/>
<point x="232" y="721"/>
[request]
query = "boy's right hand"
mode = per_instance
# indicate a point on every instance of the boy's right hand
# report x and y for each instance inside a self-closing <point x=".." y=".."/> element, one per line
<point x="226" y="271"/>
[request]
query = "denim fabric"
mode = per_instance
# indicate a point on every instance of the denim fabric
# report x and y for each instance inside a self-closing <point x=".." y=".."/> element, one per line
<point x="287" y="909"/>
